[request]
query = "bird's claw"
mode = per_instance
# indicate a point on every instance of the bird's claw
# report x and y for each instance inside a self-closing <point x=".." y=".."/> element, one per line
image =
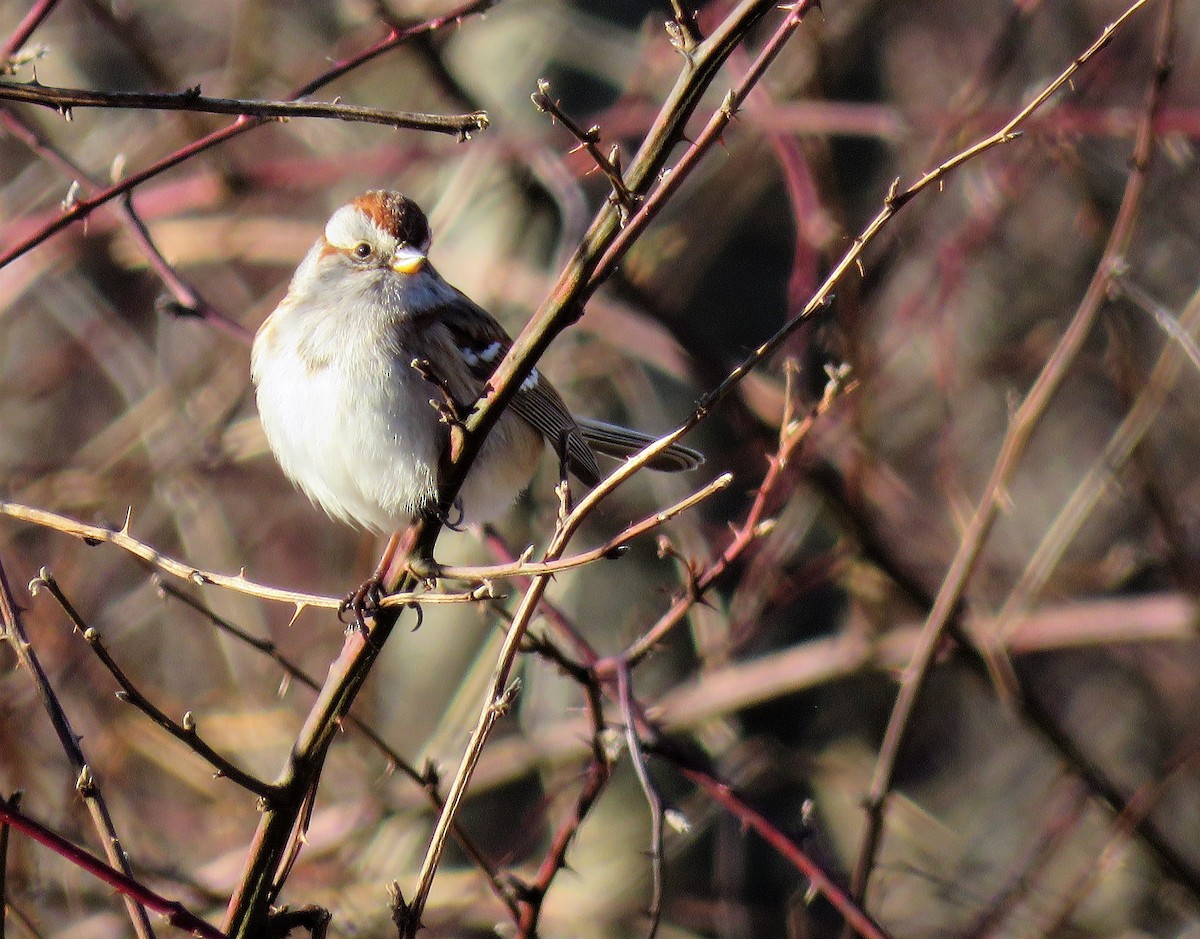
<point x="362" y="602"/>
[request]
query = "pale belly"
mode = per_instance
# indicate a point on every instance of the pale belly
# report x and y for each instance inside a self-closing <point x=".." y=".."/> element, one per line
<point x="371" y="458"/>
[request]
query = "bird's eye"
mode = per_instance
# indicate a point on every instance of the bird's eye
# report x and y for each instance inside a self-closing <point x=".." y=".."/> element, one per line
<point x="362" y="251"/>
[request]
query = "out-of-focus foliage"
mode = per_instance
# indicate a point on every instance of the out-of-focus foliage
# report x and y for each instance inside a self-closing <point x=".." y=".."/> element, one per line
<point x="109" y="407"/>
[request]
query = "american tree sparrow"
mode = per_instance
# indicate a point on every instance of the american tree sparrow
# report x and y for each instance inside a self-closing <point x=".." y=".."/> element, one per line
<point x="350" y="364"/>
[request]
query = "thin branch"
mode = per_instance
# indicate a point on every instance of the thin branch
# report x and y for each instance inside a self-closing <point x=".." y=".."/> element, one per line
<point x="1012" y="448"/>
<point x="550" y="320"/>
<point x="1165" y="318"/>
<point x="1071" y="517"/>
<point x="186" y="296"/>
<point x="185" y="732"/>
<point x="33" y="19"/>
<point x="611" y="549"/>
<point x="407" y="916"/>
<point x="670" y="181"/>
<point x="14" y="802"/>
<point x="589" y="140"/>
<point x="608" y="672"/>
<point x="425" y="780"/>
<point x="172" y="911"/>
<point x="653" y="800"/>
<point x="576" y="283"/>
<point x="721" y="793"/>
<point x="64" y="100"/>
<point x="85" y="781"/>
<point x="121" y="538"/>
<point x="792" y="434"/>
<point x="83" y="208"/>
<point x="249" y="907"/>
<point x="598" y="773"/>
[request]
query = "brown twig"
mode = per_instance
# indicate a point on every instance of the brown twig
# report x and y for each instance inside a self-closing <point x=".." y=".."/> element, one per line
<point x="578" y="281"/>
<point x="610" y="550"/>
<point x="671" y="181"/>
<point x="792" y="433"/>
<point x="589" y="141"/>
<point x="64" y="100"/>
<point x="573" y="287"/>
<point x="607" y="672"/>
<point x="185" y="732"/>
<point x="598" y="772"/>
<point x="84" y="207"/>
<point x="248" y="908"/>
<point x="1020" y="429"/>
<point x="856" y="917"/>
<point x="407" y="916"/>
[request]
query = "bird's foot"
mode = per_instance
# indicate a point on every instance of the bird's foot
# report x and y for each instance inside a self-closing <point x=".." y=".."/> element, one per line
<point x="361" y="603"/>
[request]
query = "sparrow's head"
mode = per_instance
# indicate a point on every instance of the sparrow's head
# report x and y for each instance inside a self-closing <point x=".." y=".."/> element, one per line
<point x="379" y="229"/>
<point x="372" y="255"/>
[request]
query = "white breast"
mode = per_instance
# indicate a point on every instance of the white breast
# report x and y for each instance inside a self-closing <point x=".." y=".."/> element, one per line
<point x="355" y="430"/>
<point x="357" y="436"/>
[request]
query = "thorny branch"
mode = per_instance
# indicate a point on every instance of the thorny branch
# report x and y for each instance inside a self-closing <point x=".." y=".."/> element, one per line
<point x="597" y="673"/>
<point x="185" y="732"/>
<point x="64" y="100"/>
<point x="792" y="434"/>
<point x="249" y="906"/>
<point x="84" y="207"/>
<point x="1021" y="426"/>
<point x="589" y="140"/>
<point x="580" y="278"/>
<point x="341" y="695"/>
<point x="426" y="780"/>
<point x="121" y="538"/>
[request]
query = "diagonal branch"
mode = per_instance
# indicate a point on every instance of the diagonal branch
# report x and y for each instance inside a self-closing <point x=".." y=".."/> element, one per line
<point x="172" y="911"/>
<point x="577" y="282"/>
<point x="942" y="613"/>
<point x="185" y="732"/>
<point x="249" y="907"/>
<point x="33" y="19"/>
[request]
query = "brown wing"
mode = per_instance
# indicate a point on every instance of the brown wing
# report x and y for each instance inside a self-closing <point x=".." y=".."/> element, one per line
<point x="463" y="332"/>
